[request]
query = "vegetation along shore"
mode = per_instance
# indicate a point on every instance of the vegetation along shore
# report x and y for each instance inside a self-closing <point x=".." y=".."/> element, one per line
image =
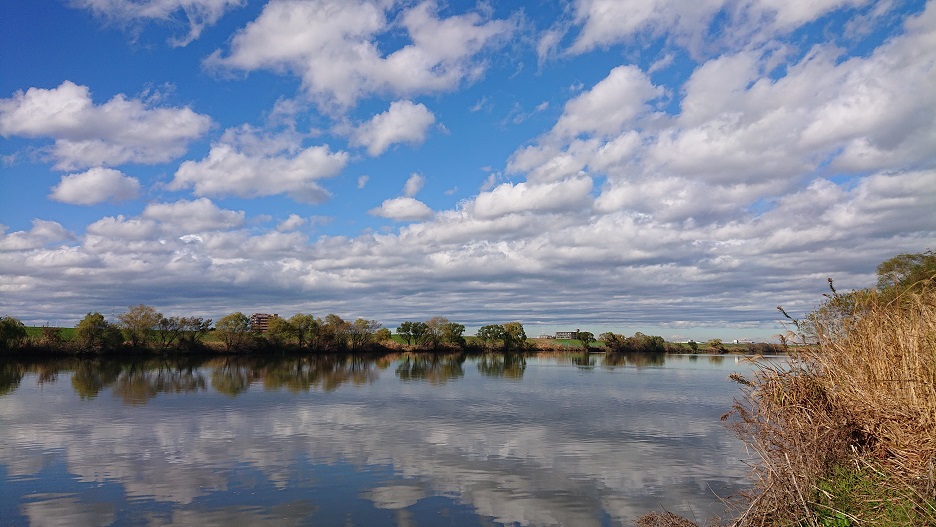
<point x="846" y="434"/>
<point x="142" y="329"/>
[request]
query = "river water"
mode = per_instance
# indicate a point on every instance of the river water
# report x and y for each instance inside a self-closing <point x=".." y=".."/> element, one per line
<point x="352" y="441"/>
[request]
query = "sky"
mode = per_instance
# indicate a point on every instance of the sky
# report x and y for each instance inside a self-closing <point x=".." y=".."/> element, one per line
<point x="679" y="168"/>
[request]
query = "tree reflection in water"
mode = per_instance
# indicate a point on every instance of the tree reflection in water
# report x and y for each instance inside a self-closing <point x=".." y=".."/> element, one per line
<point x="325" y="372"/>
<point x="137" y="380"/>
<point x="141" y="382"/>
<point x="10" y="376"/>
<point x="638" y="360"/>
<point x="437" y="369"/>
<point x="508" y="365"/>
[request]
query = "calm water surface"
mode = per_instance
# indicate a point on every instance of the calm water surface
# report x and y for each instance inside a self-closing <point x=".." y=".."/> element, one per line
<point x="465" y="441"/>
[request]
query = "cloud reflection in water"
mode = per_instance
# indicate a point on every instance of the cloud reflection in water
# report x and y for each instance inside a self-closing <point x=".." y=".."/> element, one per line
<point x="362" y="442"/>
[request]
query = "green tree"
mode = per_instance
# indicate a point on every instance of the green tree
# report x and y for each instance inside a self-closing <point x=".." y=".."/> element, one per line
<point x="716" y="345"/>
<point x="586" y="338"/>
<point x="453" y="334"/>
<point x="383" y="336"/>
<point x="405" y="331"/>
<point x="279" y="330"/>
<point x="12" y="333"/>
<point x="434" y="331"/>
<point x="361" y="332"/>
<point x="234" y="330"/>
<point x="514" y="336"/>
<point x="193" y="329"/>
<point x="139" y="324"/>
<point x="420" y="331"/>
<point x="302" y="326"/>
<point x="335" y="332"/>
<point x="94" y="333"/>
<point x="906" y="271"/>
<point x="612" y="341"/>
<point x="168" y="332"/>
<point x="489" y="335"/>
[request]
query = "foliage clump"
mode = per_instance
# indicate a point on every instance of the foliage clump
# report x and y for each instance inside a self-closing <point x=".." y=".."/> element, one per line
<point x="845" y="434"/>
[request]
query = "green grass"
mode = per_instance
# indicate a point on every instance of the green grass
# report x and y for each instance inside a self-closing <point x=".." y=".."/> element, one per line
<point x="851" y="497"/>
<point x="35" y="333"/>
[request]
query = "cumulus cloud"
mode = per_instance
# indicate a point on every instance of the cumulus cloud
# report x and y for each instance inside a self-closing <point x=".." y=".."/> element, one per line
<point x="567" y="195"/>
<point x="193" y="216"/>
<point x="331" y="45"/>
<point x="294" y="221"/>
<point x="608" y="106"/>
<point x="96" y="186"/>
<point x="404" y="122"/>
<point x="227" y="171"/>
<point x="119" y="131"/>
<point x="413" y="185"/>
<point x="403" y="208"/>
<point x="198" y="14"/>
<point x="606" y="22"/>
<point x="42" y="233"/>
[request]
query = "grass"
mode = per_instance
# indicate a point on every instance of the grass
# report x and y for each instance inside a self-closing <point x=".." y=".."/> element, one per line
<point x="35" y="332"/>
<point x="863" y="495"/>
<point x="845" y="435"/>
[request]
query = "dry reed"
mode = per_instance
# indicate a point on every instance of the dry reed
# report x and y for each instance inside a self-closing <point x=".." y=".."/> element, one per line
<point x="845" y="435"/>
<point x="858" y="402"/>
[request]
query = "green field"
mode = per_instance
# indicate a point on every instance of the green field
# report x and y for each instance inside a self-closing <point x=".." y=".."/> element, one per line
<point x="35" y="332"/>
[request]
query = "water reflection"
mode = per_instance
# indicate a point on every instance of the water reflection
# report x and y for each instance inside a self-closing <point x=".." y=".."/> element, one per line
<point x="507" y="365"/>
<point x="336" y="440"/>
<point x="437" y="369"/>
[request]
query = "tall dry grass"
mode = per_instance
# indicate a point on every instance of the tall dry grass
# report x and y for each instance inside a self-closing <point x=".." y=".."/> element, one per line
<point x="855" y="414"/>
<point x="882" y="372"/>
<point x="845" y="434"/>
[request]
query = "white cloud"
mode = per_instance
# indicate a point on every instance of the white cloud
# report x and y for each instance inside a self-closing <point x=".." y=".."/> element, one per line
<point x="362" y="181"/>
<point x="331" y="45"/>
<point x="748" y="23"/>
<point x="567" y="195"/>
<point x="119" y="131"/>
<point x="96" y="186"/>
<point x="198" y="14"/>
<point x="413" y="185"/>
<point x="257" y="142"/>
<point x="606" y="22"/>
<point x="609" y="106"/>
<point x="403" y="208"/>
<point x="294" y="221"/>
<point x="404" y="122"/>
<point x="41" y="234"/>
<point x="193" y="216"/>
<point x="229" y="172"/>
<point x="122" y="228"/>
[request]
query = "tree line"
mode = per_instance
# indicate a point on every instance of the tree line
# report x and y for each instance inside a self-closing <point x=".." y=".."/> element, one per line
<point x="143" y="328"/>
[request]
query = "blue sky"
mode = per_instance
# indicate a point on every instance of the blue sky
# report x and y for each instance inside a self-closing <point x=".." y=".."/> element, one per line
<point x="672" y="167"/>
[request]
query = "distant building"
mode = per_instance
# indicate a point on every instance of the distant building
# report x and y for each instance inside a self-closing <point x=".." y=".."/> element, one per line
<point x="260" y="322"/>
<point x="567" y="334"/>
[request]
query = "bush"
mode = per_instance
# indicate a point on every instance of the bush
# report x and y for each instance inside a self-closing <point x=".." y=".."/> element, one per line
<point x="847" y="434"/>
<point x="12" y="333"/>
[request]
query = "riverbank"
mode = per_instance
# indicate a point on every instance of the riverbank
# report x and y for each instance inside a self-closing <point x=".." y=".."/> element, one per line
<point x="846" y="435"/>
<point x="55" y="341"/>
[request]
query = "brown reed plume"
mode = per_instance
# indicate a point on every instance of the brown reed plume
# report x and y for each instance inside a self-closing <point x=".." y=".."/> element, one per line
<point x="846" y="435"/>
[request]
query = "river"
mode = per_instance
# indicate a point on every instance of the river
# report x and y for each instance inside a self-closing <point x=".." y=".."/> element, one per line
<point x="576" y="440"/>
